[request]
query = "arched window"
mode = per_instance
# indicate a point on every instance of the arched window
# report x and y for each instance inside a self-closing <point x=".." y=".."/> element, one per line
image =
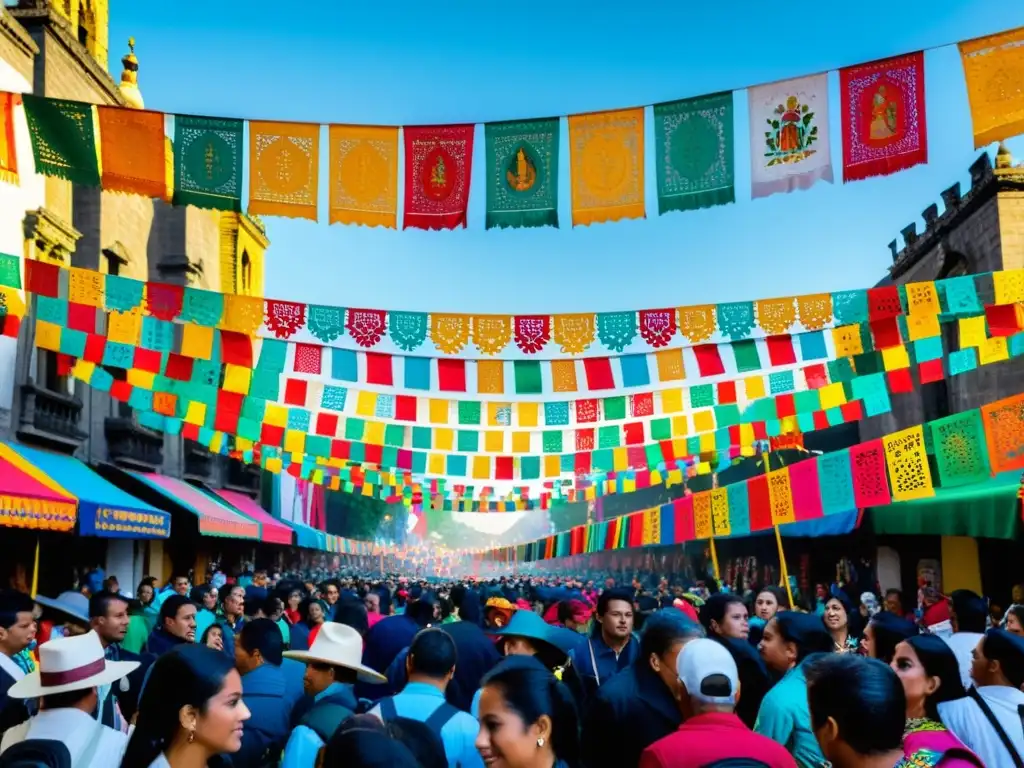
<point x="246" y="282"/>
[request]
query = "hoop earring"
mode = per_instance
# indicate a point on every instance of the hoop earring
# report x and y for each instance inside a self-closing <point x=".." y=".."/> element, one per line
<point x="191" y="736"/>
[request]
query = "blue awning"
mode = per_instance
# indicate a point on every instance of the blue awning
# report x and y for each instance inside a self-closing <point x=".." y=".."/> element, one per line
<point x="308" y="537"/>
<point x="103" y="509"/>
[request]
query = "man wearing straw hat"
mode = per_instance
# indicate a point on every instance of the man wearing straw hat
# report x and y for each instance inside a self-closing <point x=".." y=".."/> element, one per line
<point x="71" y="671"/>
<point x="333" y="665"/>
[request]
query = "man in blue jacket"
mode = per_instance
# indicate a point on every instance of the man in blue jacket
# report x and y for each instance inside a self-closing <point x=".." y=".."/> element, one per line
<point x="258" y="649"/>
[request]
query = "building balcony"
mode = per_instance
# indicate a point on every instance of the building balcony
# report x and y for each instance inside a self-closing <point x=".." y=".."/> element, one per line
<point x="199" y="462"/>
<point x="50" y="419"/>
<point x="132" y="446"/>
<point x="242" y="477"/>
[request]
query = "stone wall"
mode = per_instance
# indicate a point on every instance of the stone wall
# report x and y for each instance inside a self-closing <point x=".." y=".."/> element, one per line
<point x="981" y="231"/>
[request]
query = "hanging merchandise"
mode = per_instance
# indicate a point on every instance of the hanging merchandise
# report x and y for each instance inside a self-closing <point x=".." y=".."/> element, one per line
<point x="883" y="108"/>
<point x="789" y="137"/>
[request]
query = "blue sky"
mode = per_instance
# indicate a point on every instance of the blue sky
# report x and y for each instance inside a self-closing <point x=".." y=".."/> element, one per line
<point x="451" y="62"/>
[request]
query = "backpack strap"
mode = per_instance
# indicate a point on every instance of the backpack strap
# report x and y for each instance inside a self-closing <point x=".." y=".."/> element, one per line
<point x="388" y="710"/>
<point x="324" y="719"/>
<point x="440" y="717"/>
<point x="994" y="722"/>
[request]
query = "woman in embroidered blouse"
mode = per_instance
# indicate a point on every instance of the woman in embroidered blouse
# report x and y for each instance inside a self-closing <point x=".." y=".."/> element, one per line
<point x="930" y="674"/>
<point x="839" y="618"/>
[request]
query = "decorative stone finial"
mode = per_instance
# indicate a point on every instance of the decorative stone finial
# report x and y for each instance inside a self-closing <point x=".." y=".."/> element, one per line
<point x="1004" y="158"/>
<point x="130" y="78"/>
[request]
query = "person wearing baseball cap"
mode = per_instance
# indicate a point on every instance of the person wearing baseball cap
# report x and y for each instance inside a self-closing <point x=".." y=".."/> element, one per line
<point x="711" y="731"/>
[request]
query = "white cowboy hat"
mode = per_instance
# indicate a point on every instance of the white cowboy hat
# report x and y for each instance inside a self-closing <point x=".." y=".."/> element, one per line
<point x="340" y="646"/>
<point x="70" y="664"/>
<point x="73" y="605"/>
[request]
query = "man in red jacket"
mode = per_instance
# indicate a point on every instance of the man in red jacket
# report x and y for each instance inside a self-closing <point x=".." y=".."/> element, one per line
<point x="711" y="731"/>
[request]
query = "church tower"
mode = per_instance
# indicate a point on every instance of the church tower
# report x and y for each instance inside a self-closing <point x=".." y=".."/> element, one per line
<point x="89" y="21"/>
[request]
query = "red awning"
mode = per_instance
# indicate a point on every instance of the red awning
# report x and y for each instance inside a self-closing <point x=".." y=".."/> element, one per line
<point x="274" y="531"/>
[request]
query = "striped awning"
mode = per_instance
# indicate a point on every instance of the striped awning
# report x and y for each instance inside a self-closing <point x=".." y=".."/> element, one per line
<point x="29" y="498"/>
<point x="215" y="518"/>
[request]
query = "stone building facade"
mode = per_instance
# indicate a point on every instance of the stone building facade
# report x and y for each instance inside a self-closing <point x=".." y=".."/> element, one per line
<point x="59" y="49"/>
<point x="981" y="230"/>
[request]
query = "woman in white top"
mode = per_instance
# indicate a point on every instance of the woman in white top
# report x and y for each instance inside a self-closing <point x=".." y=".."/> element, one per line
<point x="191" y="712"/>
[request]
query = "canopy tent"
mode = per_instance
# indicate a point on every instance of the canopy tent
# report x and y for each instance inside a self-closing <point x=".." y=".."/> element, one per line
<point x="215" y="518"/>
<point x="982" y="510"/>
<point x="274" y="531"/>
<point x="103" y="509"/>
<point x="29" y="498"/>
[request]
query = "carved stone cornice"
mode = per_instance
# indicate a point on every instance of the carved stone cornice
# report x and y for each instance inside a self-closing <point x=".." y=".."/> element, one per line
<point x="254" y="227"/>
<point x="54" y="238"/>
<point x="13" y="31"/>
<point x="37" y="13"/>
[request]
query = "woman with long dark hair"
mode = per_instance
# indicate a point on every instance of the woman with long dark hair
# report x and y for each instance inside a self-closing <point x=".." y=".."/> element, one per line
<point x="883" y="633"/>
<point x="788" y="640"/>
<point x="527" y="717"/>
<point x="191" y="711"/>
<point x="930" y="674"/>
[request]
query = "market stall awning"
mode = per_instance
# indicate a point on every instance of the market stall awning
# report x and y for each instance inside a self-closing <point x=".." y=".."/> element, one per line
<point x="274" y="531"/>
<point x="103" y="508"/>
<point x="29" y="498"/>
<point x="983" y="510"/>
<point x="309" y="537"/>
<point x="215" y="519"/>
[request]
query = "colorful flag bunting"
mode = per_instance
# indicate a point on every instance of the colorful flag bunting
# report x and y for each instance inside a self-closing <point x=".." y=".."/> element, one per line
<point x="63" y="139"/>
<point x="993" y="68"/>
<point x="606" y="154"/>
<point x="208" y="162"/>
<point x="438" y="170"/>
<point x="133" y="152"/>
<point x="284" y="166"/>
<point x="8" y="149"/>
<point x="363" y="175"/>
<point x="789" y="137"/>
<point x="884" y="125"/>
<point x="695" y="156"/>
<point x="522" y="173"/>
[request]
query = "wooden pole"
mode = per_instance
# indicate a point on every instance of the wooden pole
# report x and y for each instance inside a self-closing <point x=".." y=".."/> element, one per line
<point x="35" y="571"/>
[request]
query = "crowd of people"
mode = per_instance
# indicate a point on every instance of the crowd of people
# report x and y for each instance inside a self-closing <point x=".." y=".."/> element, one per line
<point x="359" y="671"/>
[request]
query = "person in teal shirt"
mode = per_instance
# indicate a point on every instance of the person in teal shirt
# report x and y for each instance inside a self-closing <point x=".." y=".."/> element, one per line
<point x="788" y="639"/>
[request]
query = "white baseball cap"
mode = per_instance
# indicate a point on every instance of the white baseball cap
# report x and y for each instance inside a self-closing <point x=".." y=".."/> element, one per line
<point x="707" y="671"/>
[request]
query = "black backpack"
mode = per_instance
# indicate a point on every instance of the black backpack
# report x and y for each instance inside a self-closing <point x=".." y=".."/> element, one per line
<point x="36" y="753"/>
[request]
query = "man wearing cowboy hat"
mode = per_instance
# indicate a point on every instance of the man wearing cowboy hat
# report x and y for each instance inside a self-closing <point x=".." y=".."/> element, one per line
<point x="71" y="671"/>
<point x="332" y="668"/>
